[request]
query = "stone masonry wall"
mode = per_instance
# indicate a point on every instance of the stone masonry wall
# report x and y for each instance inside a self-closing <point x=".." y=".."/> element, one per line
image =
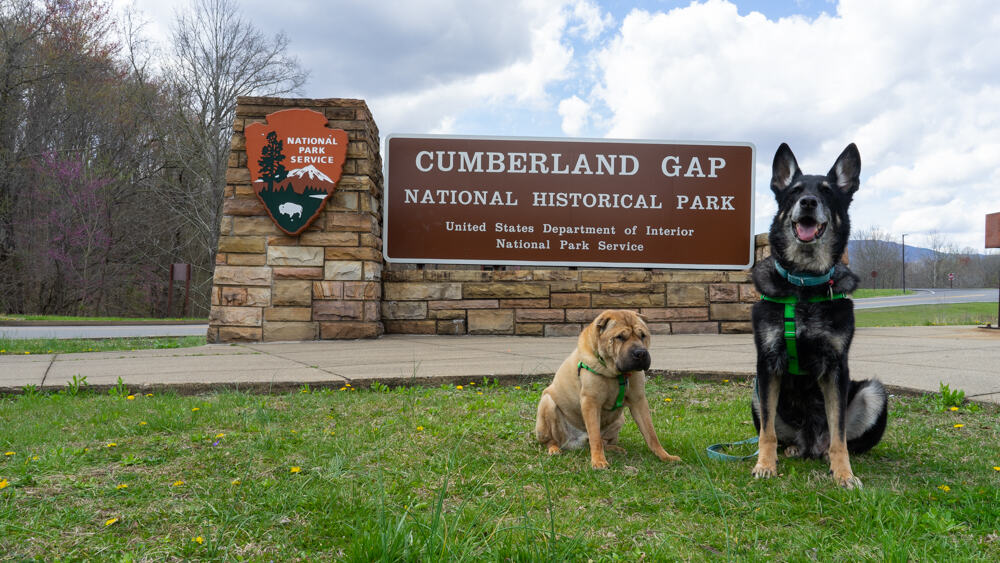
<point x="560" y="302"/>
<point x="325" y="283"/>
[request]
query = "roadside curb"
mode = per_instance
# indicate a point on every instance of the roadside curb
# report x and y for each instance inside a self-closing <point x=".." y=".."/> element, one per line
<point x="102" y="323"/>
<point x="261" y="388"/>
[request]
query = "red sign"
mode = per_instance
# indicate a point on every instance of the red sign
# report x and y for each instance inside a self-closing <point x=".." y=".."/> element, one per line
<point x="568" y="202"/>
<point x="993" y="230"/>
<point x="295" y="161"/>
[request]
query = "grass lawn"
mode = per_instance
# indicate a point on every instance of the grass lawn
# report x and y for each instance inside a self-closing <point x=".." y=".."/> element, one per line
<point x="864" y="293"/>
<point x="66" y="346"/>
<point x="928" y="315"/>
<point x="449" y="474"/>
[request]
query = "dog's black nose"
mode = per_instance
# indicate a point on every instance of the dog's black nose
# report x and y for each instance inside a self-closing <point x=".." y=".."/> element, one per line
<point x="640" y="355"/>
<point x="808" y="202"/>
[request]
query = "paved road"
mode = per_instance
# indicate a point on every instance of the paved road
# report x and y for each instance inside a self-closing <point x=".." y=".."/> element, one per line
<point x="922" y="297"/>
<point x="930" y="297"/>
<point x="116" y="331"/>
<point x="914" y="358"/>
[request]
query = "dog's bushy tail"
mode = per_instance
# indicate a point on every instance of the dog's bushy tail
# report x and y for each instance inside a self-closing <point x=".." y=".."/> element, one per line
<point x="867" y="415"/>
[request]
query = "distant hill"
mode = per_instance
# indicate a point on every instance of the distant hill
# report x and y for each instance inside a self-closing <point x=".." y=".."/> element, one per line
<point x="913" y="253"/>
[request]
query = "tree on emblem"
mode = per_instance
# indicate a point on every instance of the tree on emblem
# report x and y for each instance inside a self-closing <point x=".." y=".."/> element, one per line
<point x="271" y="168"/>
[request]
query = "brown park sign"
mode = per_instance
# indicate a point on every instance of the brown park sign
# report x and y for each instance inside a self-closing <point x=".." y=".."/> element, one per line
<point x="567" y="202"/>
<point x="295" y="161"/>
<point x="993" y="230"/>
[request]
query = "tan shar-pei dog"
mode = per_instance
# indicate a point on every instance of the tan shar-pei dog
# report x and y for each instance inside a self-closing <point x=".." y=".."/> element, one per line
<point x="586" y="398"/>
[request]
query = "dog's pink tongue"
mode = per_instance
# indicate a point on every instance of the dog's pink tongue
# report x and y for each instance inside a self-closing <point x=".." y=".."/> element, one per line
<point x="806" y="232"/>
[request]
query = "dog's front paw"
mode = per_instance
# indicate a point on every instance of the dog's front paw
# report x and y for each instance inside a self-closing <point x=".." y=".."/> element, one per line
<point x="614" y="448"/>
<point x="761" y="471"/>
<point x="554" y="449"/>
<point x="599" y="463"/>
<point x="664" y="456"/>
<point x="848" y="481"/>
<point x="792" y="451"/>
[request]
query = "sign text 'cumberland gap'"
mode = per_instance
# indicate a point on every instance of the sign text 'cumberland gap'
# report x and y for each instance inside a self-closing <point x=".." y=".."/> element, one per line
<point x="568" y="202"/>
<point x="295" y="161"/>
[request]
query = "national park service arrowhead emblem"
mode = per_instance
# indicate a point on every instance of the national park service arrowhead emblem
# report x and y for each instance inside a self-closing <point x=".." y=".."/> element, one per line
<point x="295" y="162"/>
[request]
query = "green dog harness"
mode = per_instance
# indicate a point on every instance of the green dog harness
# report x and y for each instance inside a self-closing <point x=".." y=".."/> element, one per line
<point x="790" y="343"/>
<point x="622" y="381"/>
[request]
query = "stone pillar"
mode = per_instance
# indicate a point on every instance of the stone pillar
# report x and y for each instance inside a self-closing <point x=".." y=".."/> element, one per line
<point x="324" y="283"/>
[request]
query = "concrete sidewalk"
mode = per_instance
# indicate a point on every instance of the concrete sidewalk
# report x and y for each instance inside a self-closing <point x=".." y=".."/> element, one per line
<point x="911" y="359"/>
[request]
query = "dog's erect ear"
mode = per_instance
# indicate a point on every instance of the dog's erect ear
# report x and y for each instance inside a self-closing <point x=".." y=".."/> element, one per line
<point x="785" y="169"/>
<point x="846" y="171"/>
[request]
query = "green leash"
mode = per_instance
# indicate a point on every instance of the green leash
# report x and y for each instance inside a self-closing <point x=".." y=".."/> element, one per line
<point x="715" y="450"/>
<point x="622" y="382"/>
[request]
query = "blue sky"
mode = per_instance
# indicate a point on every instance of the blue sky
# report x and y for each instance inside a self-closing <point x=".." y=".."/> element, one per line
<point x="915" y="83"/>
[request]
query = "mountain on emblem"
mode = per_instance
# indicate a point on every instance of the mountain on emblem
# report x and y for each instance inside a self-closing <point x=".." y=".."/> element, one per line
<point x="295" y="161"/>
<point x="311" y="172"/>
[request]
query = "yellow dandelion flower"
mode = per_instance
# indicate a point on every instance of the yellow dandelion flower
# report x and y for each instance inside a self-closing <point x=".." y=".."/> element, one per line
<point x="178" y="483"/>
<point x="996" y="468"/>
<point x="142" y="423"/>
<point x="27" y="353"/>
<point x="347" y="385"/>
<point x="198" y="540"/>
<point x="294" y="431"/>
<point x="235" y="482"/>
<point x="220" y="435"/>
<point x="725" y="381"/>
<point x="130" y="398"/>
<point x="34" y="458"/>
<point x="110" y="521"/>
<point x="195" y="409"/>
<point x="149" y="394"/>
<point x="342" y="389"/>
<point x="472" y="383"/>
<point x="121" y="486"/>
<point x="667" y="399"/>
<point x="3" y="483"/>
<point x="479" y="392"/>
<point x="295" y="469"/>
<point x="517" y="387"/>
<point x="459" y="387"/>
<point x="9" y="453"/>
<point x="953" y="409"/>
<point x="944" y="488"/>
<point x="959" y="425"/>
<point x="112" y="444"/>
<point x="420" y="429"/>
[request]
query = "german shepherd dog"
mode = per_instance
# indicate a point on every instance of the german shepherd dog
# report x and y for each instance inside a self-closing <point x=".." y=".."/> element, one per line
<point x="804" y="398"/>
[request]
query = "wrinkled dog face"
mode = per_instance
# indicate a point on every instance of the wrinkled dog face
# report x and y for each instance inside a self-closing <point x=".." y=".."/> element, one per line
<point x="624" y="337"/>
<point x="810" y="231"/>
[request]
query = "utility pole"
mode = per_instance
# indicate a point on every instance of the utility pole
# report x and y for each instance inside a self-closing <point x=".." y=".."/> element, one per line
<point x="904" y="263"/>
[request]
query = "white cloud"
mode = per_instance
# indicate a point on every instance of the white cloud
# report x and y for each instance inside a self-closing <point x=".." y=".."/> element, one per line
<point x="575" y="115"/>
<point x="914" y="83"/>
<point x="592" y="21"/>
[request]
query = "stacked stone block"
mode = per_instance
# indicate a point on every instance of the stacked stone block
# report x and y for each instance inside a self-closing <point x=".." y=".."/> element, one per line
<point x="561" y="302"/>
<point x="323" y="284"/>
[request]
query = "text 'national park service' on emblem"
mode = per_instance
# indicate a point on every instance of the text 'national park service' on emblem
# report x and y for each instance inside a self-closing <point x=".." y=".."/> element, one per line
<point x="295" y="161"/>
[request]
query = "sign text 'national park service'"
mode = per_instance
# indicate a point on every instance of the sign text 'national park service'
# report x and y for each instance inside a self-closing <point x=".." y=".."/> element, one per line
<point x="295" y="161"/>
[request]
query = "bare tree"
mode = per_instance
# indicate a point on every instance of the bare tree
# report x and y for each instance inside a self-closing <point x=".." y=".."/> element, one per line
<point x="217" y="55"/>
<point x="875" y="250"/>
